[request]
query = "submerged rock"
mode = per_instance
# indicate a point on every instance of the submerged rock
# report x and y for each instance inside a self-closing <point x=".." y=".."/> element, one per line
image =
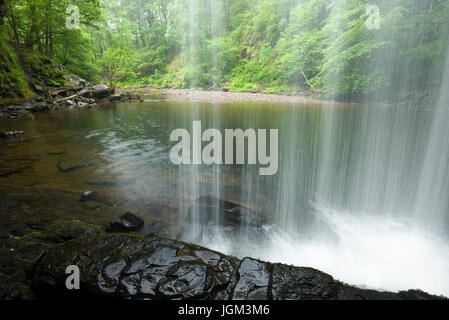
<point x="5" y="172"/>
<point x="12" y="134"/>
<point x="92" y="205"/>
<point x="129" y="222"/>
<point x="73" y="164"/>
<point x="112" y="184"/>
<point x="121" y="266"/>
<point x="56" y="151"/>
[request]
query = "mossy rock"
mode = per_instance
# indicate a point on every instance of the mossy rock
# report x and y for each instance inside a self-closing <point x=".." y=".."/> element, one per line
<point x="17" y="253"/>
<point x="13" y="290"/>
<point x="66" y="231"/>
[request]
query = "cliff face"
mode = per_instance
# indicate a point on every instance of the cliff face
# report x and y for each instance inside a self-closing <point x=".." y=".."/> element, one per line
<point x="125" y="266"/>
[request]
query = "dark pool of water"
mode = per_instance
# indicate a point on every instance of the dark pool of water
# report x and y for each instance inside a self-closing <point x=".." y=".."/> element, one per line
<point x="122" y="152"/>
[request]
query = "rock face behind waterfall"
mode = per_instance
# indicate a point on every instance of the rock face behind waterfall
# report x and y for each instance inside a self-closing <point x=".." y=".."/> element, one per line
<point x="126" y="266"/>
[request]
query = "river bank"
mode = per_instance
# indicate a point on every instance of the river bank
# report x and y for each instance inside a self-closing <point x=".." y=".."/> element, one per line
<point x="215" y="96"/>
<point x="69" y="98"/>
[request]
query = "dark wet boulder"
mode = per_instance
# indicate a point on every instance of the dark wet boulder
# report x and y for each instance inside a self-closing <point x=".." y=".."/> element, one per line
<point x="132" y="267"/>
<point x="247" y="217"/>
<point x="210" y="215"/>
<point x="216" y="202"/>
<point x="128" y="222"/>
<point x="100" y="91"/>
<point x="206" y="214"/>
<point x="228" y="212"/>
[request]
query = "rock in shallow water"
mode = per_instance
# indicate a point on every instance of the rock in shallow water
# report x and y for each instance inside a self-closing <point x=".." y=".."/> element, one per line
<point x="89" y="196"/>
<point x="129" y="222"/>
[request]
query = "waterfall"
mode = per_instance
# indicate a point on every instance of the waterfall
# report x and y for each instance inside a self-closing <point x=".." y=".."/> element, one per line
<point x="362" y="190"/>
<point x="432" y="201"/>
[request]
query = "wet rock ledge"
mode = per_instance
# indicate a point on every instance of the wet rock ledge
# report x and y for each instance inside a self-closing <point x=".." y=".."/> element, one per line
<point x="132" y="267"/>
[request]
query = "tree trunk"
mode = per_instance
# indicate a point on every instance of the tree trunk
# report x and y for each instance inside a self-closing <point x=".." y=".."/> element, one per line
<point x="2" y="11"/>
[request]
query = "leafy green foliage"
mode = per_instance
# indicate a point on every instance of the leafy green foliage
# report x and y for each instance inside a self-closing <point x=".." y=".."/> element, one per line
<point x="243" y="45"/>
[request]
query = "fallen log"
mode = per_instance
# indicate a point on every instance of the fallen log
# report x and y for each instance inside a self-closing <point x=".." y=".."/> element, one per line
<point x="98" y="94"/>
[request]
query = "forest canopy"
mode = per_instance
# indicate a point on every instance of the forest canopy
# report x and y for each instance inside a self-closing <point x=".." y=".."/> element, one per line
<point x="324" y="47"/>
